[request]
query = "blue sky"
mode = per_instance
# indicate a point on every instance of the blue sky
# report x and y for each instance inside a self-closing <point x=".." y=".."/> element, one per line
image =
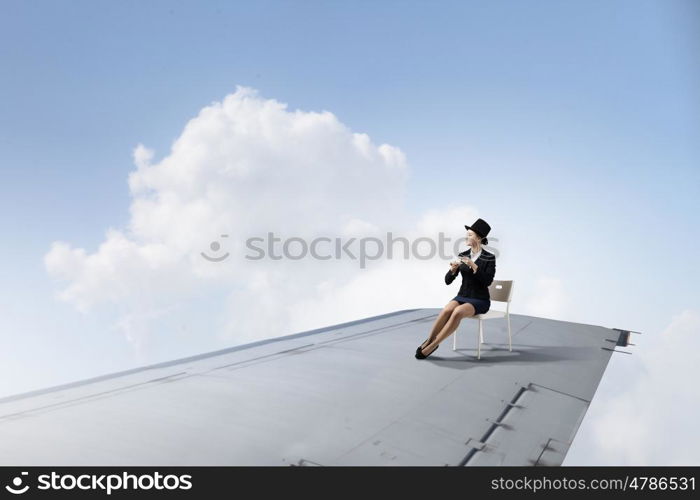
<point x="573" y="126"/>
<point x="598" y="91"/>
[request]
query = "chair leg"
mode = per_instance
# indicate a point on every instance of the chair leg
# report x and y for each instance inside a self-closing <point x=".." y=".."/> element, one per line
<point x="510" y="344"/>
<point x="480" y="339"/>
<point x="478" y="349"/>
<point x="454" y="340"/>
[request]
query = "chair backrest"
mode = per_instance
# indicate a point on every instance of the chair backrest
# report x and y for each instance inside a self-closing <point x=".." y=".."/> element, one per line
<point x="500" y="290"/>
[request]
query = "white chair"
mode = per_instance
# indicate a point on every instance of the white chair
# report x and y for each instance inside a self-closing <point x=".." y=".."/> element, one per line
<point x="499" y="291"/>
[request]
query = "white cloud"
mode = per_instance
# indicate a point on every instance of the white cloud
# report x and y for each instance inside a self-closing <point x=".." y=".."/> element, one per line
<point x="545" y="297"/>
<point x="649" y="415"/>
<point x="244" y="166"/>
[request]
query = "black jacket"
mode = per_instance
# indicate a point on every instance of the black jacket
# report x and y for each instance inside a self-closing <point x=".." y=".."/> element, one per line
<point x="475" y="284"/>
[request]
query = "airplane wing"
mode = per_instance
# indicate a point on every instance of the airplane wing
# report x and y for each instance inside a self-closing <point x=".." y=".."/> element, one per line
<point x="347" y="394"/>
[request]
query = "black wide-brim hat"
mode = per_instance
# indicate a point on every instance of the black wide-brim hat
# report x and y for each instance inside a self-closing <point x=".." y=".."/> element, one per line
<point x="480" y="227"/>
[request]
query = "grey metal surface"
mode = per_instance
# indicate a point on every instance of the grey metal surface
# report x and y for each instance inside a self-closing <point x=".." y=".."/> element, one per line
<point x="350" y="394"/>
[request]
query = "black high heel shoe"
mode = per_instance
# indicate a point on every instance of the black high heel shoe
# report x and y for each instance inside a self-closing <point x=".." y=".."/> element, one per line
<point x="420" y="355"/>
<point x="422" y="345"/>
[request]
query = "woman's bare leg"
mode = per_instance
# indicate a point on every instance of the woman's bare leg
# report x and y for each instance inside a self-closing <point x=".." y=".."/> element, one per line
<point x="440" y="321"/>
<point x="458" y="313"/>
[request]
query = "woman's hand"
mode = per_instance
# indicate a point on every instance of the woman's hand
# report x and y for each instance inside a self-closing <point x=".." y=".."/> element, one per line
<point x="470" y="263"/>
<point x="454" y="266"/>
